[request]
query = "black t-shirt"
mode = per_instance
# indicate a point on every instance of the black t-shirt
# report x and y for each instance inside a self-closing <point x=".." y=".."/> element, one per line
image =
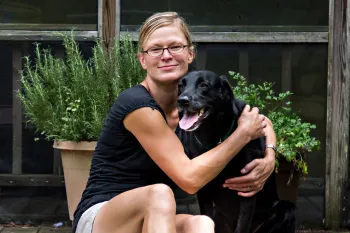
<point x="119" y="162"/>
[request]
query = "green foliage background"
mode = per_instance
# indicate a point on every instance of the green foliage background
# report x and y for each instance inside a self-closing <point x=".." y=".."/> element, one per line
<point x="69" y="99"/>
<point x="293" y="134"/>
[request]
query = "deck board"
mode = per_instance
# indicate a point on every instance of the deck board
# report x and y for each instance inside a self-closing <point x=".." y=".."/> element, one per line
<point x="55" y="230"/>
<point x="20" y="230"/>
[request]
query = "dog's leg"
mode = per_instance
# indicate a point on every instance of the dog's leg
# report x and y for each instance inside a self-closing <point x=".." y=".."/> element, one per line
<point x="280" y="218"/>
<point x="227" y="207"/>
<point x="246" y="213"/>
<point x="273" y="215"/>
<point x="205" y="201"/>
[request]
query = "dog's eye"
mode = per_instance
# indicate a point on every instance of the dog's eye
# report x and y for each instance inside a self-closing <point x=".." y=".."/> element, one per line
<point x="181" y="87"/>
<point x="182" y="84"/>
<point x="204" y="85"/>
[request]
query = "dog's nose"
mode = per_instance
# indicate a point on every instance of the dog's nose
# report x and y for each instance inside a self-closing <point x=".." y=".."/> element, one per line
<point x="183" y="100"/>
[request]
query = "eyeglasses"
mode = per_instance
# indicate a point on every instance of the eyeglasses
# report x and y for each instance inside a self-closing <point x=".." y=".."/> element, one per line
<point x="156" y="52"/>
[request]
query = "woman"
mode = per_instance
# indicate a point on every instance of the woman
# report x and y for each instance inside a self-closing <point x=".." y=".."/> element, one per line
<point x="139" y="160"/>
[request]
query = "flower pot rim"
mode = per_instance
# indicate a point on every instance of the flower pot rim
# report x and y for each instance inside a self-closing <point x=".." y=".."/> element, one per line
<point x="71" y="145"/>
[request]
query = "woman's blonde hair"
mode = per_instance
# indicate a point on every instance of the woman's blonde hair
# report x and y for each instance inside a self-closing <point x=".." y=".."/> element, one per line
<point x="162" y="19"/>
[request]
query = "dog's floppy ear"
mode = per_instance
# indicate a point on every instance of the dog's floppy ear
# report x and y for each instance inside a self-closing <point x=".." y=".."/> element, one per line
<point x="226" y="89"/>
<point x="239" y="104"/>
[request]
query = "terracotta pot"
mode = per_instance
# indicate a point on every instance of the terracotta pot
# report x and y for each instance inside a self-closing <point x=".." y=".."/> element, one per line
<point x="287" y="191"/>
<point x="76" y="161"/>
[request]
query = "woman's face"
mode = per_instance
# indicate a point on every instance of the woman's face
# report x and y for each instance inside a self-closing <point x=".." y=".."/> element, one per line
<point x="167" y="67"/>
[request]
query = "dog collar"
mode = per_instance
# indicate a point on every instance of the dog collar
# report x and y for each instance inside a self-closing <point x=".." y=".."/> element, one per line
<point x="228" y="132"/>
<point x="221" y="139"/>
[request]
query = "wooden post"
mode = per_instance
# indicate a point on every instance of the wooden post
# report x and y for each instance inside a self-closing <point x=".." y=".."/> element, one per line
<point x="117" y="19"/>
<point x="337" y="135"/>
<point x="16" y="111"/>
<point x="57" y="161"/>
<point x="99" y="18"/>
<point x="109" y="24"/>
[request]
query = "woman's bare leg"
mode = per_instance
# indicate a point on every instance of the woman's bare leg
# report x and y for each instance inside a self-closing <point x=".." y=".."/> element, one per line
<point x="194" y="224"/>
<point x="149" y="209"/>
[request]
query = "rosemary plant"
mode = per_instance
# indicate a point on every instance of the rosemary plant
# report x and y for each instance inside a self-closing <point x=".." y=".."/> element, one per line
<point x="69" y="99"/>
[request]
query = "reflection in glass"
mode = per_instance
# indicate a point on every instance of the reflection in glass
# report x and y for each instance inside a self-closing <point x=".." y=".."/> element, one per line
<point x="231" y="12"/>
<point x="49" y="12"/>
<point x="5" y="108"/>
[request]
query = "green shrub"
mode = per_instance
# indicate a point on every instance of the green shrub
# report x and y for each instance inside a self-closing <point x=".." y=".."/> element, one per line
<point x="69" y="99"/>
<point x="293" y="134"/>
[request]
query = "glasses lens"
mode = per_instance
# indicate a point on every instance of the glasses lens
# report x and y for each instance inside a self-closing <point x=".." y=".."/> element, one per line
<point x="155" y="52"/>
<point x="176" y="49"/>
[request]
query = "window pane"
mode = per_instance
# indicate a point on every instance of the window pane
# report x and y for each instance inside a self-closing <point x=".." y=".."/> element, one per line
<point x="49" y="12"/>
<point x="5" y="108"/>
<point x="233" y="13"/>
<point x="300" y="68"/>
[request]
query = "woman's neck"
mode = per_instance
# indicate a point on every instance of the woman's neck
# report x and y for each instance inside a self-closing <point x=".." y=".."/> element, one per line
<point x="165" y="95"/>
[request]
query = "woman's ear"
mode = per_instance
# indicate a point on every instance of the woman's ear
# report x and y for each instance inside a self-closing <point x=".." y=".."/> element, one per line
<point x="191" y="54"/>
<point x="141" y="58"/>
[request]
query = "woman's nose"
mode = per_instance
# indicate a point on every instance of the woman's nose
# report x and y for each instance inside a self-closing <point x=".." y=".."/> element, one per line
<point x="166" y="53"/>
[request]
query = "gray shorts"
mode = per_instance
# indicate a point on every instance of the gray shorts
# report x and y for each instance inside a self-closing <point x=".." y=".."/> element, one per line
<point x="87" y="218"/>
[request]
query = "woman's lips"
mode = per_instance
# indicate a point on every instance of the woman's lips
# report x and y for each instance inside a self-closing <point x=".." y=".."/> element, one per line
<point x="167" y="67"/>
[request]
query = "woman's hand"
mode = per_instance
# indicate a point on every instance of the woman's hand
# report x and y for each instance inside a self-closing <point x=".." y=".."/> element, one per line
<point x="257" y="171"/>
<point x="248" y="185"/>
<point x="251" y="122"/>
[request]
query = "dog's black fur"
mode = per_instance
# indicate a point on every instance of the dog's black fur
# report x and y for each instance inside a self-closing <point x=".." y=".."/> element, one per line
<point x="230" y="212"/>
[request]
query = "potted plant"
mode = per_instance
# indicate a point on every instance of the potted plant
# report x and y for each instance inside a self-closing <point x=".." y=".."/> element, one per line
<point x="293" y="134"/>
<point x="67" y="100"/>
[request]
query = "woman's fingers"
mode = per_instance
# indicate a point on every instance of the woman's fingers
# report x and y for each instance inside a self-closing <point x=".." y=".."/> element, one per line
<point x="252" y="182"/>
<point x="249" y="194"/>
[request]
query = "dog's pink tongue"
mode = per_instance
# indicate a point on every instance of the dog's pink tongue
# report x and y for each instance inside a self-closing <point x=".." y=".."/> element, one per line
<point x="188" y="120"/>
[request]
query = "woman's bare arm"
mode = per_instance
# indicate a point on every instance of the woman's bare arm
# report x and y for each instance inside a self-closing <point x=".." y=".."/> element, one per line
<point x="166" y="150"/>
<point x="256" y="173"/>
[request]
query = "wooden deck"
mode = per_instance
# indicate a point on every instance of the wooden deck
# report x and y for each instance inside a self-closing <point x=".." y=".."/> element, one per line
<point x="40" y="209"/>
<point x="68" y="230"/>
<point x="34" y="230"/>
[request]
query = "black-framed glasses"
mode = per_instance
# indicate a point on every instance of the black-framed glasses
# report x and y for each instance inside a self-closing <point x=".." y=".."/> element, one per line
<point x="156" y="52"/>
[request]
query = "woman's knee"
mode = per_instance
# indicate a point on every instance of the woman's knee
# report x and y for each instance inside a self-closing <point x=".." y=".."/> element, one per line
<point x="200" y="223"/>
<point x="161" y="198"/>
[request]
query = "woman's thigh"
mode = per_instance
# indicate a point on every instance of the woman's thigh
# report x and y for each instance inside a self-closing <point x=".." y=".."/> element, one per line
<point x="186" y="223"/>
<point x="126" y="212"/>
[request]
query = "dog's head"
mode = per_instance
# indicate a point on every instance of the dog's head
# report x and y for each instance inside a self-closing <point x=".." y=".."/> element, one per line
<point x="202" y="94"/>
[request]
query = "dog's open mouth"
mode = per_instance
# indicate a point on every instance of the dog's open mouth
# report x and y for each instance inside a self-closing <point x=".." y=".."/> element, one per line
<point x="192" y="120"/>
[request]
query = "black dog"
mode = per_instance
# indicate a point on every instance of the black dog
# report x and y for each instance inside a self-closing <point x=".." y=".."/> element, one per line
<point x="209" y="113"/>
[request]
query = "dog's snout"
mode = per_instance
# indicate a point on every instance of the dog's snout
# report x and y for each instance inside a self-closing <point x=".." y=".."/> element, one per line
<point x="183" y="100"/>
